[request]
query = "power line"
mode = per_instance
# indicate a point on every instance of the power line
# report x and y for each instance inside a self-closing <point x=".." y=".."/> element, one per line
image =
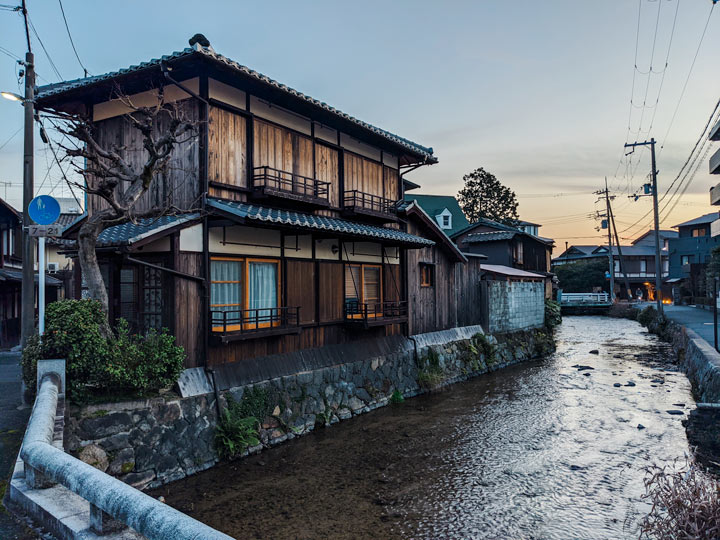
<point x="47" y="54"/>
<point x="3" y="145"/>
<point x="62" y="10"/>
<point x="9" y="53"/>
<point x="687" y="79"/>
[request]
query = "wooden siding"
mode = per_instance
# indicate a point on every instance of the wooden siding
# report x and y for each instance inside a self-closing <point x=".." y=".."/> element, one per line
<point x="470" y="298"/>
<point x="189" y="307"/>
<point x="327" y="170"/>
<point x="300" y="278"/>
<point x="436" y="307"/>
<point x="331" y="294"/>
<point x="178" y="186"/>
<point x="282" y="149"/>
<point x="391" y="185"/>
<point x="227" y="152"/>
<point x="363" y="175"/>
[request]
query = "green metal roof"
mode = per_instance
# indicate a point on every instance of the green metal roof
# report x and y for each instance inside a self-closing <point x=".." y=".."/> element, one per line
<point x="435" y="204"/>
<point x="253" y="212"/>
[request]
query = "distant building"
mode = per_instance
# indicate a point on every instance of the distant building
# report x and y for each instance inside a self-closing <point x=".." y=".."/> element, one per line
<point x="690" y="253"/>
<point x="715" y="165"/>
<point x="444" y="209"/>
<point x="638" y="261"/>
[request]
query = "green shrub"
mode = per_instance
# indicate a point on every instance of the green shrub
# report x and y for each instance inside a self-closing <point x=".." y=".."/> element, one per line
<point x="98" y="363"/>
<point x="487" y="348"/>
<point x="553" y="315"/>
<point x="647" y="316"/>
<point x="236" y="432"/>
<point x="396" y="397"/>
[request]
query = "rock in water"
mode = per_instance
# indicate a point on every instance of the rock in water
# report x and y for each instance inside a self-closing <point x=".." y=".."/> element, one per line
<point x="617" y="385"/>
<point x="594" y="351"/>
<point x="640" y="426"/>
<point x="674" y="412"/>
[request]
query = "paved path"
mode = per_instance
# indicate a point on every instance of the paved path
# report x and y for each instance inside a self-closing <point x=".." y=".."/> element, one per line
<point x="697" y="319"/>
<point x="12" y="428"/>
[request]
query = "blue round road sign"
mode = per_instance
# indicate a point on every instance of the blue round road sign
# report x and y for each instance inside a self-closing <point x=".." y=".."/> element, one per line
<point x="44" y="210"/>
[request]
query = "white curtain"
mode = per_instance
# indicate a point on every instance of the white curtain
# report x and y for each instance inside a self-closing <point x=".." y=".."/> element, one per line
<point x="226" y="289"/>
<point x="262" y="290"/>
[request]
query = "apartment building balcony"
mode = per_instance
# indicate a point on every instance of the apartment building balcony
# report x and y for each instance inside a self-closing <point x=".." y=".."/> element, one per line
<point x="358" y="203"/>
<point x="269" y="182"/>
<point x="242" y="324"/>
<point x="375" y="314"/>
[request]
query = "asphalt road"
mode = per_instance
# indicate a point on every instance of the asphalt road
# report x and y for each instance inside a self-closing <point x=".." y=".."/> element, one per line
<point x="697" y="319"/>
<point x="12" y="428"/>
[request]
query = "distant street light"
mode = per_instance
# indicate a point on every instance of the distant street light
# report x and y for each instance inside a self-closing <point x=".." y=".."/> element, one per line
<point x="12" y="96"/>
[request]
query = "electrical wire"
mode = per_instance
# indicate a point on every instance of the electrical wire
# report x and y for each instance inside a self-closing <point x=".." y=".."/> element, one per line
<point x="62" y="10"/>
<point x="687" y="79"/>
<point x="47" y="54"/>
<point x="3" y="145"/>
<point x="9" y="53"/>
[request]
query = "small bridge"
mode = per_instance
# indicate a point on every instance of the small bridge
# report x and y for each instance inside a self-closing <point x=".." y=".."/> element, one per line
<point x="579" y="303"/>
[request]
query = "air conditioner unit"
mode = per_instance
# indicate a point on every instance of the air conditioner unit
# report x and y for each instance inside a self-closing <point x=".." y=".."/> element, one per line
<point x="53" y="267"/>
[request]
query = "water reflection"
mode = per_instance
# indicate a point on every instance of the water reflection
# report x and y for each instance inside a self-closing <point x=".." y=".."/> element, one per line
<point x="543" y="450"/>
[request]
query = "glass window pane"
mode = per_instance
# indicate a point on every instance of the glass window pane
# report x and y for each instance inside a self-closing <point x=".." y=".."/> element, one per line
<point x="262" y="291"/>
<point x="372" y="285"/>
<point x="226" y="290"/>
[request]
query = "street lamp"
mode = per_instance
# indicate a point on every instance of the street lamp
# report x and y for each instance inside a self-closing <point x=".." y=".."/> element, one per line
<point x="12" y="96"/>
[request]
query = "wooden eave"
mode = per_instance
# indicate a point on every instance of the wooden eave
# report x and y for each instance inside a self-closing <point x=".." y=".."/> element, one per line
<point x="449" y="246"/>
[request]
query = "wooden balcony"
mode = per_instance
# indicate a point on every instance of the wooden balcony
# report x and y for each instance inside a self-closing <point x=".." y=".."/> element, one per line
<point x="377" y="314"/>
<point x="358" y="203"/>
<point x="242" y="324"/>
<point x="270" y="182"/>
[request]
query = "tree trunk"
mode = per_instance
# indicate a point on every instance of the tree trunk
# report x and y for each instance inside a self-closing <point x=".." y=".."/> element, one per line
<point x="87" y="240"/>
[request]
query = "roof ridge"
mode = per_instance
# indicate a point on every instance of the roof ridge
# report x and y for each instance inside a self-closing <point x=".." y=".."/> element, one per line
<point x="57" y="88"/>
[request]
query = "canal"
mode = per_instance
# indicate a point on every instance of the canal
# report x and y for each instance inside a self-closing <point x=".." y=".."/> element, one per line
<point x="544" y="450"/>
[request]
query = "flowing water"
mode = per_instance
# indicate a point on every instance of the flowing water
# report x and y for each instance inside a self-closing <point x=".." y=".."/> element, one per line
<point x="541" y="450"/>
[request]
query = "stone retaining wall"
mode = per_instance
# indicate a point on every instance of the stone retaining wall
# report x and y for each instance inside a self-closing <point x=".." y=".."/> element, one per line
<point x="698" y="359"/>
<point x="152" y="442"/>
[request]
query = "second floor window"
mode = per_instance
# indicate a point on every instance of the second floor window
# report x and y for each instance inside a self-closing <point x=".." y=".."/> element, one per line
<point x="244" y="293"/>
<point x="643" y="266"/>
<point x="698" y="232"/>
<point x="685" y="259"/>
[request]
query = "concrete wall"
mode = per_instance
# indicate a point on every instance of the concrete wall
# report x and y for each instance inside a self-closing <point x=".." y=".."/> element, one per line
<point x="152" y="442"/>
<point x="515" y="305"/>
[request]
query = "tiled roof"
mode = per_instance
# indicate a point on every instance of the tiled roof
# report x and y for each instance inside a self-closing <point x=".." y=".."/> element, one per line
<point x="702" y="220"/>
<point x="207" y="52"/>
<point x="7" y="274"/>
<point x="129" y="233"/>
<point x="254" y="212"/>
<point x="67" y="219"/>
<point x="477" y="238"/>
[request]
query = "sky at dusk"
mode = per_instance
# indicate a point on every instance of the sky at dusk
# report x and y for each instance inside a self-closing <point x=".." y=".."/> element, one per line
<point x="538" y="93"/>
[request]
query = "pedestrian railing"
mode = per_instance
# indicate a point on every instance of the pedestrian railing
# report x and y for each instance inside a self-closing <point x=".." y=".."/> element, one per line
<point x="585" y="298"/>
<point x="112" y="502"/>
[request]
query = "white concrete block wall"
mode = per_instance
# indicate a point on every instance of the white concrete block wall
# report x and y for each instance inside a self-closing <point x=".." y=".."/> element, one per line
<point x="515" y="305"/>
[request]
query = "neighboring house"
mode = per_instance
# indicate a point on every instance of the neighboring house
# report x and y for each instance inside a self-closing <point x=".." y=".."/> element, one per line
<point x="444" y="209"/>
<point x="11" y="264"/>
<point x="288" y="236"/>
<point x="714" y="164"/>
<point x="506" y="245"/>
<point x="690" y="253"/>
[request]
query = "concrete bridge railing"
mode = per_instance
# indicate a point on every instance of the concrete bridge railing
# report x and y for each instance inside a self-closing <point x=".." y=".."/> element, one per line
<point x="584" y="298"/>
<point x="113" y="504"/>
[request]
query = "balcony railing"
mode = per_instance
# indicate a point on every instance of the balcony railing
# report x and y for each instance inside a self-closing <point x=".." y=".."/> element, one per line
<point x="247" y="323"/>
<point x="268" y="181"/>
<point x="375" y="314"/>
<point x="359" y="202"/>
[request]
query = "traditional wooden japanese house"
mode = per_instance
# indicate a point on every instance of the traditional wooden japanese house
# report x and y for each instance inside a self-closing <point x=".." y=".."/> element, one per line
<point x="289" y="236"/>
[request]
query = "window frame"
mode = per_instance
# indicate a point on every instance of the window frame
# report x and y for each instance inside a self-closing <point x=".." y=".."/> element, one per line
<point x="361" y="299"/>
<point x="245" y="299"/>
<point x="427" y="271"/>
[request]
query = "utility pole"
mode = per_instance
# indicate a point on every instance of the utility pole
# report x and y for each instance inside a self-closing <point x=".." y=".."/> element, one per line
<point x="610" y="246"/>
<point x="658" y="259"/>
<point x="28" y="242"/>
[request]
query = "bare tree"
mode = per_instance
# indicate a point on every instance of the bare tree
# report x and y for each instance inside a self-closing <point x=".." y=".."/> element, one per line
<point x="113" y="177"/>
